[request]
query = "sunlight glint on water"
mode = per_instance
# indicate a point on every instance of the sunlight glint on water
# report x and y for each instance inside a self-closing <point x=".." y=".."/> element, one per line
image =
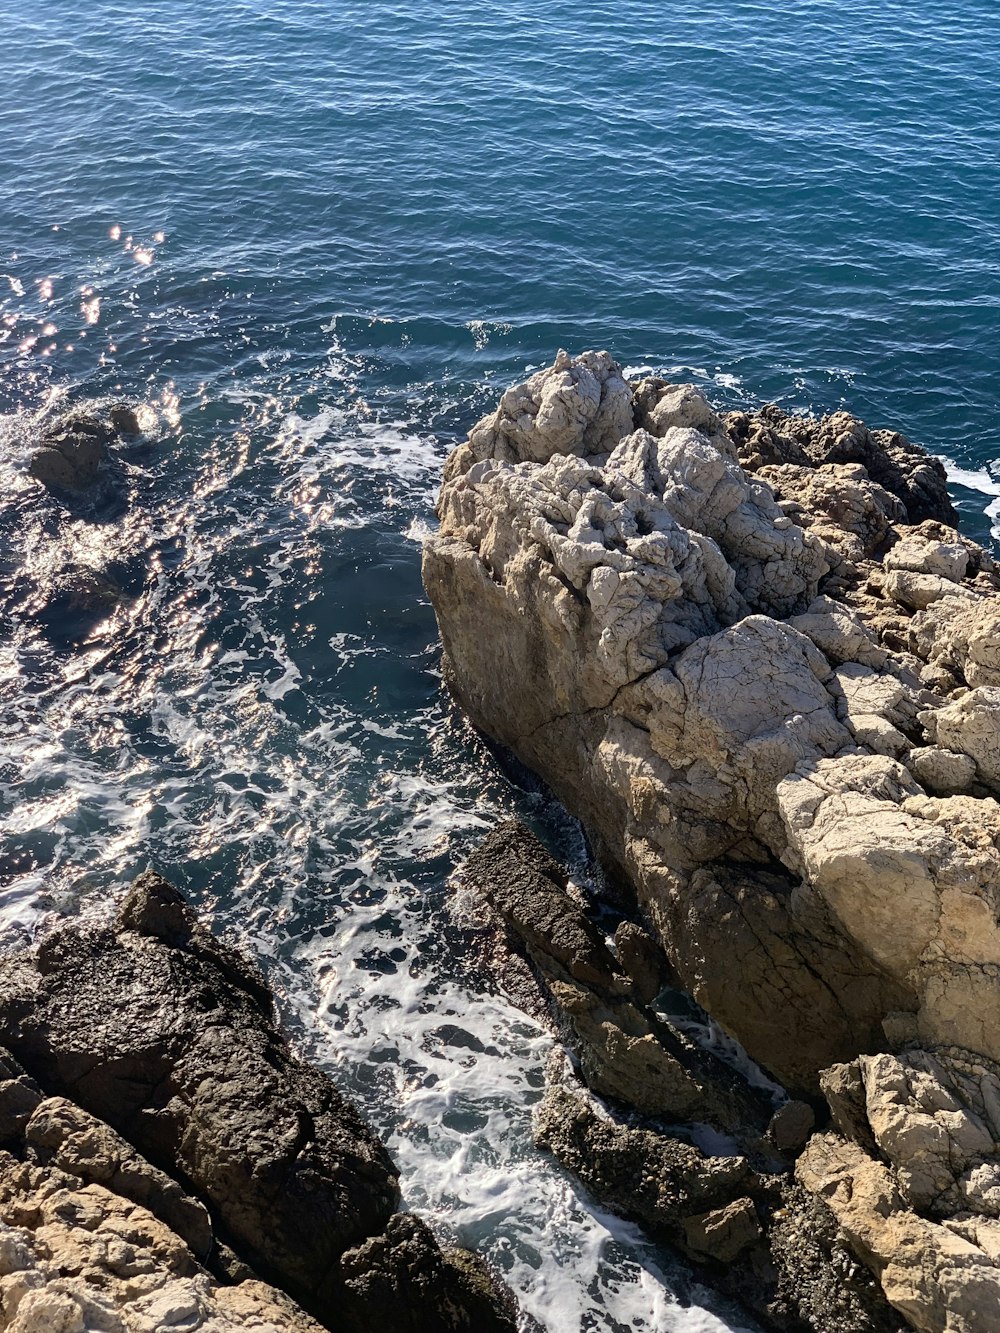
<point x="315" y="241"/>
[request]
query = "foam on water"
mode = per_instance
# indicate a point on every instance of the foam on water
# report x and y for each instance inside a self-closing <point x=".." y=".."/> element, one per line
<point x="316" y="251"/>
<point x="187" y="731"/>
<point x="980" y="481"/>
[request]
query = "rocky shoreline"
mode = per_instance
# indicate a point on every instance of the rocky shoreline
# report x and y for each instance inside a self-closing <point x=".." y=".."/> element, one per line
<point x="166" y="1162"/>
<point x="758" y="661"/>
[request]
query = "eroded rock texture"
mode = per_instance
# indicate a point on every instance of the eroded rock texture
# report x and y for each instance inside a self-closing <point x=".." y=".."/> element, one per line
<point x="764" y="672"/>
<point x="757" y="659"/>
<point x="165" y="1147"/>
<point x="913" y="1177"/>
<point x="757" y="1234"/>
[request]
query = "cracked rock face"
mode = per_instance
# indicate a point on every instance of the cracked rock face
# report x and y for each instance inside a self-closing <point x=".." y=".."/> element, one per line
<point x="76" y="1256"/>
<point x="913" y="1177"/>
<point x="759" y="662"/>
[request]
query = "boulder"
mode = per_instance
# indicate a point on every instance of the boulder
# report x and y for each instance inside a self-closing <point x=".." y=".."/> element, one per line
<point x="912" y="1175"/>
<point x="725" y="1233"/>
<point x="404" y="1281"/>
<point x="71" y="452"/>
<point x="937" y="1277"/>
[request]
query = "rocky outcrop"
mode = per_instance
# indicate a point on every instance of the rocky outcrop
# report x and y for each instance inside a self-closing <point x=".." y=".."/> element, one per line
<point x="628" y="1051"/>
<point x="93" y="1236"/>
<point x="912" y="1175"/>
<point x="758" y="662"/>
<point x="176" y="1107"/>
<point x="76" y="1256"/>
<point x="736" y="1213"/>
<point x="73" y="447"/>
<point x="756" y="1234"/>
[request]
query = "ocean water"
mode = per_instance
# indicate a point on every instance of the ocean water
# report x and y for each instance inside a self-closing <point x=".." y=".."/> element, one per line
<point x="315" y="240"/>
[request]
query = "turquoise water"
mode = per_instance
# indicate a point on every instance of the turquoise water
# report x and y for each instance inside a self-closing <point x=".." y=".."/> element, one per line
<point x="316" y="240"/>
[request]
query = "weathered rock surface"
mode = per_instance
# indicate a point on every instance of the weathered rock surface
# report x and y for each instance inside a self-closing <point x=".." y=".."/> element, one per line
<point x="627" y="1050"/>
<point x="913" y="1177"/>
<point x="764" y="1239"/>
<point x="403" y="1280"/>
<point x="757" y="660"/>
<point x="77" y="1256"/>
<point x="178" y="1098"/>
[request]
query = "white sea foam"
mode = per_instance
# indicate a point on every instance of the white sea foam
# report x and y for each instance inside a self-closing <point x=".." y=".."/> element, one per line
<point x="202" y="729"/>
<point x="981" y="480"/>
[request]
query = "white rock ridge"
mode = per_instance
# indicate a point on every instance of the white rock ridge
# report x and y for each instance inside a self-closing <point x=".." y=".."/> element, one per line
<point x="772" y="697"/>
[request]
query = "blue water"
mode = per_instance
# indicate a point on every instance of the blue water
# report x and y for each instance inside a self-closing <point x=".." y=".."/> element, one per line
<point x="316" y="240"/>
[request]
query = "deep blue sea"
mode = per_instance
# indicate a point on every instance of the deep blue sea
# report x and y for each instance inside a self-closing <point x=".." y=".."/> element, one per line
<point x="315" y="240"/>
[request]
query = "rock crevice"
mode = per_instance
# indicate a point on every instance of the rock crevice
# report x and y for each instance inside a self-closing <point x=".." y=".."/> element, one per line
<point x="756" y="658"/>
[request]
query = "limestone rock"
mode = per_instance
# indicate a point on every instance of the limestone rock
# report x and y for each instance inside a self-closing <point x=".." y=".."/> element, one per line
<point x="75" y="1257"/>
<point x="914" y="1180"/>
<point x="738" y="655"/>
<point x="65" y="1136"/>
<point x="891" y="461"/>
<point x="921" y="554"/>
<point x="943" y="1282"/>
<point x="725" y="1233"/>
<point x="943" y="772"/>
<point x="577" y="406"/>
<point x="961" y="636"/>
<point x="946" y="1156"/>
<point x="971" y="726"/>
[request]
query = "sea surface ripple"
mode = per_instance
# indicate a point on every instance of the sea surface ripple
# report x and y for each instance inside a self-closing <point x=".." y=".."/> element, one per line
<point x="315" y="239"/>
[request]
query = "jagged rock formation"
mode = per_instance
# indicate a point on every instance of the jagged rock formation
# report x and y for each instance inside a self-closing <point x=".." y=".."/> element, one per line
<point x="185" y="1144"/>
<point x="758" y="1235"/>
<point x="756" y="658"/>
<point x="761" y="733"/>
<point x="627" y="1050"/>
<point x="912" y="1175"/>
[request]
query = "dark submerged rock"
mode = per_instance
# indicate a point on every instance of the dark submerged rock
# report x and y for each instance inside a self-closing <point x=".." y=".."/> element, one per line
<point x="124" y="419"/>
<point x="71" y="453"/>
<point x="402" y="1280"/>
<point x="155" y="1027"/>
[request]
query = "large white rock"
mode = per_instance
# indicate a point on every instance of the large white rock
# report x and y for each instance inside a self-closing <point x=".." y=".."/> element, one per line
<point x="732" y="692"/>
